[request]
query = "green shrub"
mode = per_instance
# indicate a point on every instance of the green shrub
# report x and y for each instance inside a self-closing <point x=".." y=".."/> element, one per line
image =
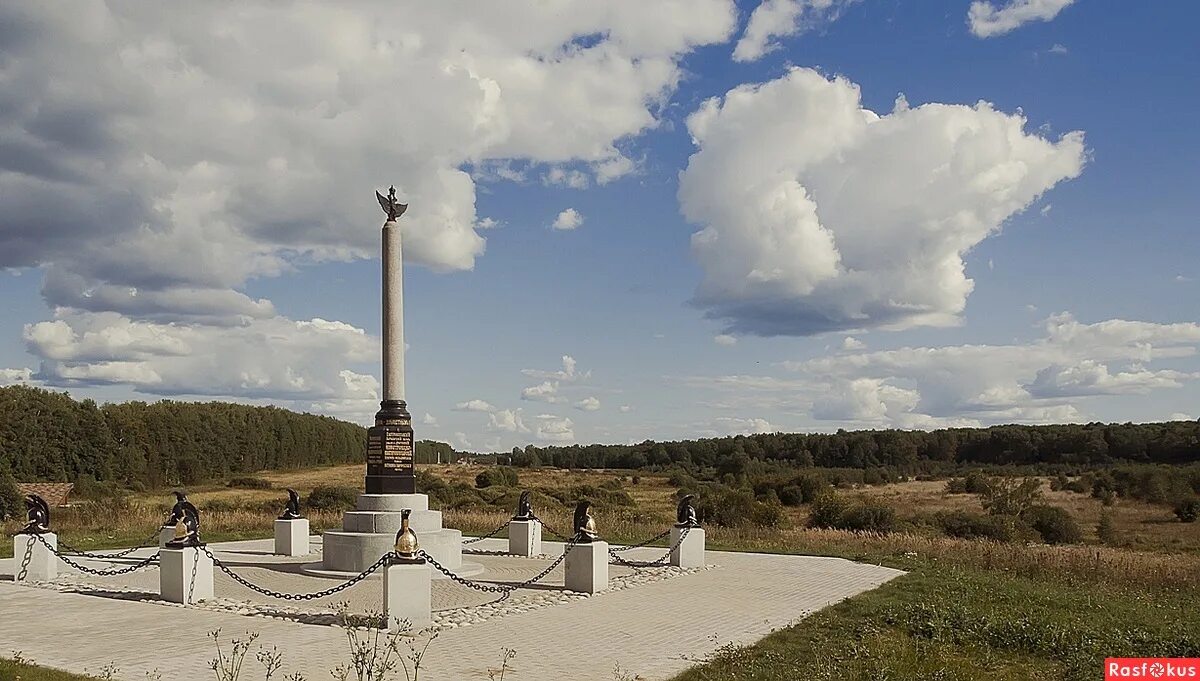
<point x="87" y="488"/>
<point x="975" y="482"/>
<point x="500" y="476"/>
<point x="827" y="510"/>
<point x="12" y="504"/>
<point x="1007" y="496"/>
<point x="1106" y="529"/>
<point x="830" y="511"/>
<point x="1188" y="510"/>
<point x="332" y="498"/>
<point x="736" y="508"/>
<point x="681" y="479"/>
<point x="249" y="483"/>
<point x="869" y="516"/>
<point x="811" y="486"/>
<point x="967" y="525"/>
<point x="1054" y="524"/>
<point x="1078" y="485"/>
<point x="791" y="495"/>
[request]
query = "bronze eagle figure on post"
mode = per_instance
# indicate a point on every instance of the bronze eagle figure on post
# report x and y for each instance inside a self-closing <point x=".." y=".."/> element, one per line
<point x="390" y="205"/>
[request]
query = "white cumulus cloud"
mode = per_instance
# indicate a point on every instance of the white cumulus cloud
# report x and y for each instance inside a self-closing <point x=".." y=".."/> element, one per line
<point x="987" y="20"/>
<point x="506" y="420"/>
<point x="190" y="149"/>
<point x="819" y="215"/>
<point x="273" y="357"/>
<point x="22" y="376"/>
<point x="568" y="373"/>
<point x="555" y="429"/>
<point x="547" y="391"/>
<point x="725" y="339"/>
<point x="568" y="219"/>
<point x="782" y="18"/>
<point x="588" y="404"/>
<point x="474" y="405"/>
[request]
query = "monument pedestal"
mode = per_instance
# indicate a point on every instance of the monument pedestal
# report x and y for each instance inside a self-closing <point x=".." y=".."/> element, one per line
<point x="586" y="568"/>
<point x="525" y="538"/>
<point x="291" y="537"/>
<point x="408" y="595"/>
<point x="690" y="552"/>
<point x="185" y="575"/>
<point x="369" y="532"/>
<point x="166" y="534"/>
<point x="42" y="565"/>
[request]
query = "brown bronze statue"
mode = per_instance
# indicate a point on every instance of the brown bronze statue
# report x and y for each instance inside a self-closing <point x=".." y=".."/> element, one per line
<point x="37" y="513"/>
<point x="685" y="514"/>
<point x="406" y="542"/>
<point x="585" y="525"/>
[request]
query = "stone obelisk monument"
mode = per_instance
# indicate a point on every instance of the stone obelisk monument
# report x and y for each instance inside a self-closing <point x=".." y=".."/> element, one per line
<point x="390" y="442"/>
<point x="369" y="531"/>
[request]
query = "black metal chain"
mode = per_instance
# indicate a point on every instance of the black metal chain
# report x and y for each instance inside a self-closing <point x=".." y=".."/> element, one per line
<point x="383" y="560"/>
<point x="504" y="589"/>
<point x="489" y="535"/>
<point x="551" y="530"/>
<point x="93" y="571"/>
<point x="24" y="571"/>
<point x="660" y="562"/>
<point x="192" y="584"/>
<point x="648" y="542"/>
<point x="152" y="540"/>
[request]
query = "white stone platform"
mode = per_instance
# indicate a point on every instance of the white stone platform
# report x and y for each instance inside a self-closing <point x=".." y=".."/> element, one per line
<point x="654" y="630"/>
<point x="369" y="532"/>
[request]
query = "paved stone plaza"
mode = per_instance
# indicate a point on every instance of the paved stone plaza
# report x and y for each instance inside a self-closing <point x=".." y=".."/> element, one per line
<point x="654" y="622"/>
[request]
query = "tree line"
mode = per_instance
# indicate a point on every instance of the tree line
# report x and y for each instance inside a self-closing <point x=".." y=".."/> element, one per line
<point x="48" y="435"/>
<point x="908" y="451"/>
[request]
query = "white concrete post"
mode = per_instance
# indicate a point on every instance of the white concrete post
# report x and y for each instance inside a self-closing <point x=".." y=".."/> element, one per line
<point x="393" y="313"/>
<point x="408" y="595"/>
<point x="525" y="538"/>
<point x="587" y="568"/>
<point x="175" y="577"/>
<point x="690" y="552"/>
<point x="291" y="537"/>
<point x="43" y="563"/>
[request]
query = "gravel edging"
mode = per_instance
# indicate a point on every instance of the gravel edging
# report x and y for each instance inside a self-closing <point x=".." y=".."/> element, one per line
<point x="524" y="601"/>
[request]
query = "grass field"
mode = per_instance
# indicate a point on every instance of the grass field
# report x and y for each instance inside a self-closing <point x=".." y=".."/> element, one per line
<point x="968" y="609"/>
<point x="19" y="670"/>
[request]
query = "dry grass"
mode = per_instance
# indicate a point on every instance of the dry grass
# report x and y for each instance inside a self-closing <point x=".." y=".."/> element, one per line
<point x="239" y="513"/>
<point x="1140" y="526"/>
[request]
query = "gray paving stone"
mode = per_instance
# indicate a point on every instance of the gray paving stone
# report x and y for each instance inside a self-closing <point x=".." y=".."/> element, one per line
<point x="653" y="629"/>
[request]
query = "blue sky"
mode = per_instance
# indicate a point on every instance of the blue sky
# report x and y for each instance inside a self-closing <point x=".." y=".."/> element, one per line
<point x="768" y="237"/>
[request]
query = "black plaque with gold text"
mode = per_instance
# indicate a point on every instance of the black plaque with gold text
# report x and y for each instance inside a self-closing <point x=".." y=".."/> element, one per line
<point x="390" y="452"/>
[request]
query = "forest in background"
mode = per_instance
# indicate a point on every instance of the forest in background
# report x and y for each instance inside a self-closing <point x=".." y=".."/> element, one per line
<point x="47" y="435"/>
<point x="904" y="451"/>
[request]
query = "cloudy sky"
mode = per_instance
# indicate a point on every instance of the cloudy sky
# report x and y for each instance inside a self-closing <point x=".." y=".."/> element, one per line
<point x="627" y="219"/>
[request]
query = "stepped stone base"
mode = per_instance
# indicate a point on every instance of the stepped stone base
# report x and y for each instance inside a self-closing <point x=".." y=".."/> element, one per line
<point x="370" y="531"/>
